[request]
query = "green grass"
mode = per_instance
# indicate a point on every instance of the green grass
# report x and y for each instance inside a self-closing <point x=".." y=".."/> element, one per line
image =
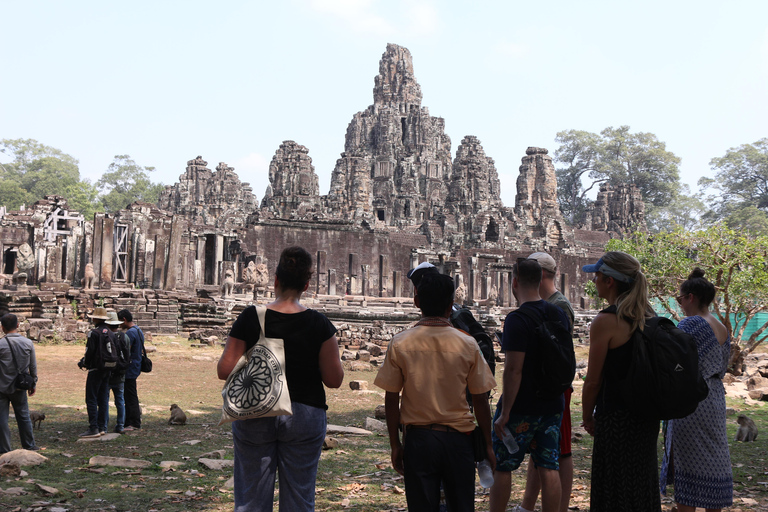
<point x="355" y="476"/>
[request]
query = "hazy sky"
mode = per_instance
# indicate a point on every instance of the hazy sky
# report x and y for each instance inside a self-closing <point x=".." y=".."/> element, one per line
<point x="166" y="81"/>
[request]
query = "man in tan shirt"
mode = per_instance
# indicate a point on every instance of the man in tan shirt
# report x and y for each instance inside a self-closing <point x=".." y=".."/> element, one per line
<point x="431" y="365"/>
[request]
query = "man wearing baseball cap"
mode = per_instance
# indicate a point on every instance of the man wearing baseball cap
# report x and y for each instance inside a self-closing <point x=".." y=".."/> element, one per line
<point x="549" y="292"/>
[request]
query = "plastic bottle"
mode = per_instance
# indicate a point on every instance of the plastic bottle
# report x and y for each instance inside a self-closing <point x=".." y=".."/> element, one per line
<point x="509" y="441"/>
<point x="485" y="473"/>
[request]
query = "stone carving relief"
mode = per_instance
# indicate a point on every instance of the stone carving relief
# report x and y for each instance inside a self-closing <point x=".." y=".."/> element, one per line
<point x="89" y="279"/>
<point x="25" y="262"/>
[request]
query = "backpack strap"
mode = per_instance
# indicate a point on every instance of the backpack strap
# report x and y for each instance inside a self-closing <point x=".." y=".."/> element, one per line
<point x="13" y="355"/>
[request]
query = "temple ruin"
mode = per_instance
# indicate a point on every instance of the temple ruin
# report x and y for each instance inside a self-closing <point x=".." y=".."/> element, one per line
<point x="397" y="197"/>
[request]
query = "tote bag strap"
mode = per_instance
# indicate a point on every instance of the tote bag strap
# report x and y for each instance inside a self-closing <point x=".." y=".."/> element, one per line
<point x="261" y="312"/>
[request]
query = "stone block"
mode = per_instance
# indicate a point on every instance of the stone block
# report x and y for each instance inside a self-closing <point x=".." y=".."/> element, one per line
<point x="358" y="385"/>
<point x="757" y="382"/>
<point x="363" y="355"/>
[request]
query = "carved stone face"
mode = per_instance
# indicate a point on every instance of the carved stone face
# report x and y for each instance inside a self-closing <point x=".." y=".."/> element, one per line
<point x="26" y="258"/>
<point x="262" y="275"/>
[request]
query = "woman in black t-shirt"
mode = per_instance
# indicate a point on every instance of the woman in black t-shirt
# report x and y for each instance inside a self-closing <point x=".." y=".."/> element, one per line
<point x="288" y="445"/>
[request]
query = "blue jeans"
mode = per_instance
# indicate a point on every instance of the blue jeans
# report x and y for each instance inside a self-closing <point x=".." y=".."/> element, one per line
<point x="97" y="399"/>
<point x="20" y="408"/>
<point x="289" y="444"/>
<point x="118" y="392"/>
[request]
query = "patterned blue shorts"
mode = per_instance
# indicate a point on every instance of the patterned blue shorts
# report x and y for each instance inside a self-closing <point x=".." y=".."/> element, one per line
<point x="537" y="435"/>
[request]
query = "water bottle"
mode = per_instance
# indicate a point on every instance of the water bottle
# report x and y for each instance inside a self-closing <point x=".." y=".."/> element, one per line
<point x="485" y="473"/>
<point x="509" y="441"/>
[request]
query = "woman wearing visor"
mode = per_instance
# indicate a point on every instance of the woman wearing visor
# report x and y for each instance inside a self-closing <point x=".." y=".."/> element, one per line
<point x="624" y="464"/>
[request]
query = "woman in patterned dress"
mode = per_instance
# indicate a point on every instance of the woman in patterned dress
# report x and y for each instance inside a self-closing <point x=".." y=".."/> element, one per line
<point x="624" y="465"/>
<point x="696" y="458"/>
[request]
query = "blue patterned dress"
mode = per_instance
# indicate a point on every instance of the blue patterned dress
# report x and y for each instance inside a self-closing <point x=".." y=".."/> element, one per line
<point x="700" y="465"/>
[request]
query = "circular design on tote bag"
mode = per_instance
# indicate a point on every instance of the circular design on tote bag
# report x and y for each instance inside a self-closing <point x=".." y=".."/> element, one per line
<point x="257" y="388"/>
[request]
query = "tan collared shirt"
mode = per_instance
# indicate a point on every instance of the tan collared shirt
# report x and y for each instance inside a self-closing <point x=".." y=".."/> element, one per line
<point x="433" y="366"/>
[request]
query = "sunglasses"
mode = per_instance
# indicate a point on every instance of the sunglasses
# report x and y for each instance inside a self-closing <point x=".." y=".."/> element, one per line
<point x="680" y="298"/>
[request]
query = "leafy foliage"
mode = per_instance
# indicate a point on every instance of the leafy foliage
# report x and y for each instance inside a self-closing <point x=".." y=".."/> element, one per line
<point x="734" y="261"/>
<point x="616" y="156"/>
<point x="741" y="180"/>
<point x="39" y="170"/>
<point x="126" y="182"/>
<point x="686" y="211"/>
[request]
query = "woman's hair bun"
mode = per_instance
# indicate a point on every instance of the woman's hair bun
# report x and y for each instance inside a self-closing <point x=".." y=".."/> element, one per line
<point x="697" y="272"/>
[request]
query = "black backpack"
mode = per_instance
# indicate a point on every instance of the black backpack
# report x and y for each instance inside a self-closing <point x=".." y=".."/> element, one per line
<point x="463" y="319"/>
<point x="123" y="351"/>
<point x="552" y="352"/>
<point x="107" y="353"/>
<point x="663" y="381"/>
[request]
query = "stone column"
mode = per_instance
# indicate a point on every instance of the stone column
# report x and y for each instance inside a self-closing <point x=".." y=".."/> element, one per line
<point x="397" y="283"/>
<point x="365" y="279"/>
<point x="174" y="248"/>
<point x="485" y="284"/>
<point x="383" y="275"/>
<point x="107" y="252"/>
<point x="510" y="295"/>
<point x="331" y="281"/>
<point x="565" y="285"/>
<point x="503" y="289"/>
<point x="472" y="284"/>
<point x="219" y="251"/>
<point x="414" y="260"/>
<point x="322" y="270"/>
<point x="98" y="236"/>
<point x="161" y="242"/>
<point x="71" y="262"/>
<point x="354" y="265"/>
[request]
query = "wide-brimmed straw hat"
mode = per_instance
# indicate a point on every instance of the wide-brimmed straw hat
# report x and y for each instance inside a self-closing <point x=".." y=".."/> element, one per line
<point x="112" y="319"/>
<point x="99" y="314"/>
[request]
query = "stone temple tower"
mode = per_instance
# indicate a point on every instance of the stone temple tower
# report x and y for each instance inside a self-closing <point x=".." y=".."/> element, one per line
<point x="397" y="158"/>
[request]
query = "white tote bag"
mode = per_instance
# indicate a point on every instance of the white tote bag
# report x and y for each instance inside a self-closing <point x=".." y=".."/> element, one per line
<point x="256" y="387"/>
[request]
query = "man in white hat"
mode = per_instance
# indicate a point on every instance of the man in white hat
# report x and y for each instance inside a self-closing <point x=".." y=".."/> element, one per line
<point x="97" y="383"/>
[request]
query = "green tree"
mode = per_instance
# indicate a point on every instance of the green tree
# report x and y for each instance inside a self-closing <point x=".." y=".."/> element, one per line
<point x="126" y="182"/>
<point x="686" y="211"/>
<point x="617" y="156"/>
<point x="734" y="261"/>
<point x="741" y="186"/>
<point x="41" y="170"/>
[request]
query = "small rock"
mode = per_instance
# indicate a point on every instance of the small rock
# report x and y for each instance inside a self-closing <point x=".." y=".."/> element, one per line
<point x="375" y="425"/>
<point x="756" y="394"/>
<point x="15" y="491"/>
<point x="230" y="484"/>
<point x="347" y="355"/>
<point x="106" y="437"/>
<point x="359" y="366"/>
<point x="730" y="411"/>
<point x="165" y="464"/>
<point x="191" y="442"/>
<point x="330" y="443"/>
<point x="119" y="462"/>
<point x="380" y="413"/>
<point x="372" y="349"/>
<point x="10" y="470"/>
<point x="216" y="454"/>
<point x="757" y="383"/>
<point x="51" y="491"/>
<point x="358" y="385"/>
<point x="337" y="429"/>
<point x="154" y="454"/>
<point x="729" y="378"/>
<point x="202" y="358"/>
<point x="23" y="458"/>
<point x="216" y="464"/>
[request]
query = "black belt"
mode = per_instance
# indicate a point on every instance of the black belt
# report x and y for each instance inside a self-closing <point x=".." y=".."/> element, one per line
<point x="434" y="426"/>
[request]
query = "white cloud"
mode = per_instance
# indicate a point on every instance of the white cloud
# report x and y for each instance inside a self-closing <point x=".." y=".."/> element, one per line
<point x="358" y="14"/>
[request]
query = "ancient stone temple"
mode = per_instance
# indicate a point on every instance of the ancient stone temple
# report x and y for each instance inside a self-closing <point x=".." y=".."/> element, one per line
<point x="397" y="198"/>
<point x="396" y="163"/>
<point x="618" y="209"/>
<point x="294" y="189"/>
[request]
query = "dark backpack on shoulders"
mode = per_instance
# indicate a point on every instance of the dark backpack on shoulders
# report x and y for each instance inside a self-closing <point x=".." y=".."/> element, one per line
<point x="463" y="319"/>
<point x="553" y="355"/>
<point x="663" y="381"/>
<point x="107" y="353"/>
<point x="123" y="351"/>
